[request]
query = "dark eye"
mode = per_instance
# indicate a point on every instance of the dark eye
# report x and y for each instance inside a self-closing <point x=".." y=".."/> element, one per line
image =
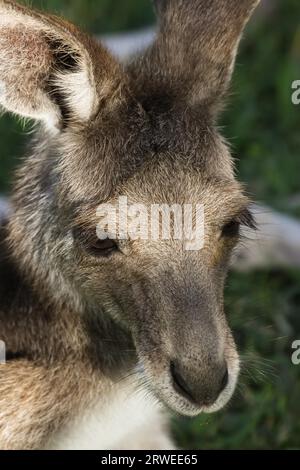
<point x="232" y="229"/>
<point x="94" y="245"/>
<point x="103" y="247"/>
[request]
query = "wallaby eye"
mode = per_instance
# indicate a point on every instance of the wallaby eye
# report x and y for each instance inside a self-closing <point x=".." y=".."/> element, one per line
<point x="232" y="229"/>
<point x="93" y="245"/>
<point x="103" y="247"/>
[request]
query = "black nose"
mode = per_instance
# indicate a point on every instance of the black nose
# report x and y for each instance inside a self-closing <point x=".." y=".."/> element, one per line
<point x="180" y="384"/>
<point x="196" y="388"/>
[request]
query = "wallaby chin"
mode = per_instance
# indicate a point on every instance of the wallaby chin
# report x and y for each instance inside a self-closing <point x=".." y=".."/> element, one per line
<point x="106" y="321"/>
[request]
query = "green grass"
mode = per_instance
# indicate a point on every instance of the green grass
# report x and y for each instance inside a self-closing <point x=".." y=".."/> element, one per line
<point x="263" y="307"/>
<point x="262" y="122"/>
<point x="102" y="15"/>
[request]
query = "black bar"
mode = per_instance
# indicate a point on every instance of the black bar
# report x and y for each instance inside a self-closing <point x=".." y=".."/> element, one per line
<point x="97" y="459"/>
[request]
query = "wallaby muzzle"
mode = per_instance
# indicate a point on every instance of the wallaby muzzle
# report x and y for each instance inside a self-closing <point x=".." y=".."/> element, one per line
<point x="185" y="345"/>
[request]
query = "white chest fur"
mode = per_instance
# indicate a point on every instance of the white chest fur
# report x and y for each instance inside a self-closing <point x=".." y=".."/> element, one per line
<point x="112" y="423"/>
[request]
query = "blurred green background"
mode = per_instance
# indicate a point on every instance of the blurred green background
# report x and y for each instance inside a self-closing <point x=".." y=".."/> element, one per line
<point x="264" y="129"/>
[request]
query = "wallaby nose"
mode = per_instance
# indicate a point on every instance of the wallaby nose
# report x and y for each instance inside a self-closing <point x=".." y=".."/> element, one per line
<point x="200" y="390"/>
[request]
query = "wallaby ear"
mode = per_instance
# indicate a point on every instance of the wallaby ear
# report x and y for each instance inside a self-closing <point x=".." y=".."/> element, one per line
<point x="49" y="70"/>
<point x="197" y="45"/>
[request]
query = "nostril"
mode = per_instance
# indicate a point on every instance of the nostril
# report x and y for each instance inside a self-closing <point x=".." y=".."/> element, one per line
<point x="198" y="390"/>
<point x="224" y="381"/>
<point x="180" y="384"/>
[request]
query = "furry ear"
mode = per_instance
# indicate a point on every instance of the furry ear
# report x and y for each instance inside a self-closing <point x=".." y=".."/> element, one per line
<point x="197" y="45"/>
<point x="49" y="70"/>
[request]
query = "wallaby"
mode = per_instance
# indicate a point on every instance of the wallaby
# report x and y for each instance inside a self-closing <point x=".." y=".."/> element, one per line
<point x="103" y="335"/>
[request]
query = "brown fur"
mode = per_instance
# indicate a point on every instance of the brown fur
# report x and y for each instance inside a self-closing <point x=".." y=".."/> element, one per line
<point x="74" y="324"/>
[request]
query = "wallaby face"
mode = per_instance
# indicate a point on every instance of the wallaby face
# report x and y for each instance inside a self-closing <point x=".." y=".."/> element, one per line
<point x="146" y="132"/>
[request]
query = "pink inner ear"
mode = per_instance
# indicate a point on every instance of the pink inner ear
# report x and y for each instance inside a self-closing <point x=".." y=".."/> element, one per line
<point x="25" y="60"/>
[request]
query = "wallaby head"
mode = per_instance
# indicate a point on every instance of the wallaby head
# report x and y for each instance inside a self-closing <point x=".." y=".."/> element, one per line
<point x="147" y="132"/>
